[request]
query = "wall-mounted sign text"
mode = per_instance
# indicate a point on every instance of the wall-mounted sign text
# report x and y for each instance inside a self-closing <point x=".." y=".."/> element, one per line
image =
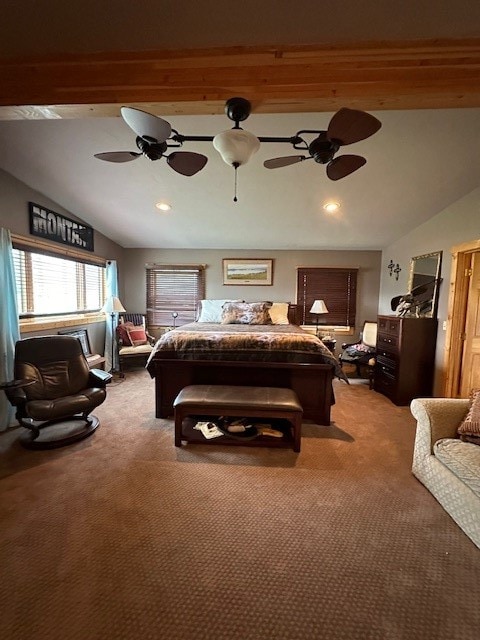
<point x="53" y="226"/>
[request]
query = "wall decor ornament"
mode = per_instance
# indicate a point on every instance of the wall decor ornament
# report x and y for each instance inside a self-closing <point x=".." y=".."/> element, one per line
<point x="47" y="224"/>
<point x="394" y="269"/>
<point x="251" y="271"/>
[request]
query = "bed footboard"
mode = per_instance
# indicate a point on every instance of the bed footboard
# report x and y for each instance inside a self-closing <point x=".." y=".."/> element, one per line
<point x="311" y="382"/>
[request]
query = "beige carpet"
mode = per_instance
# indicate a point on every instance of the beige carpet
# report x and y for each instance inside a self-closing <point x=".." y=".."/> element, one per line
<point x="124" y="536"/>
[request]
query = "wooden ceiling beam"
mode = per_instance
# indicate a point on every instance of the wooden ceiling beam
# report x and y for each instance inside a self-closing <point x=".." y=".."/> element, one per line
<point x="375" y="76"/>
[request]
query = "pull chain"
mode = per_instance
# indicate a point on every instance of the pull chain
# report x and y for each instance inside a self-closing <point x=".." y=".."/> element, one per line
<point x="235" y="166"/>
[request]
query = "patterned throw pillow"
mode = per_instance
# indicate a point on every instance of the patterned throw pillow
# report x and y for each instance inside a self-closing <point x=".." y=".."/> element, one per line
<point x="211" y="310"/>
<point x="122" y="333"/>
<point x="469" y="430"/>
<point x="246" y="313"/>
<point x="137" y="336"/>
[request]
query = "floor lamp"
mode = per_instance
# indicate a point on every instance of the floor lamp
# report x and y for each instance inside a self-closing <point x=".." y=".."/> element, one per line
<point x="318" y="307"/>
<point x="113" y="306"/>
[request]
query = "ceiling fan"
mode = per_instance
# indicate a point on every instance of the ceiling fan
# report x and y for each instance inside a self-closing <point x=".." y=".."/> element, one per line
<point x="155" y="137"/>
<point x="346" y="127"/>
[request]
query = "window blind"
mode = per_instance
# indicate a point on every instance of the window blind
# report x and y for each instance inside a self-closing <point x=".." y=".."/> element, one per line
<point x="337" y="287"/>
<point x="51" y="285"/>
<point x="174" y="288"/>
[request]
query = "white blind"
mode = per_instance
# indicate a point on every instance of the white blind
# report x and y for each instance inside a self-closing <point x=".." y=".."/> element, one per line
<point x="52" y="285"/>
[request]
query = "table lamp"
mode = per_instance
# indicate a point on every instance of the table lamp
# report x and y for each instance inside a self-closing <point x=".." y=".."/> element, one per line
<point x="318" y="307"/>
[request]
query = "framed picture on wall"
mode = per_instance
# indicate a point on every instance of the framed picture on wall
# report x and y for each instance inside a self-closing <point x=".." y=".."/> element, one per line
<point x="249" y="271"/>
<point x="82" y="337"/>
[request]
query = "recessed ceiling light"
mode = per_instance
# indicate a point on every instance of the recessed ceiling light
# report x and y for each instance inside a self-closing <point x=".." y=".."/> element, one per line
<point x="163" y="206"/>
<point x="331" y="206"/>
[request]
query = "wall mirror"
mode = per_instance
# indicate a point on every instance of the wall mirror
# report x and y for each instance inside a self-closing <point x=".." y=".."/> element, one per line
<point x="424" y="284"/>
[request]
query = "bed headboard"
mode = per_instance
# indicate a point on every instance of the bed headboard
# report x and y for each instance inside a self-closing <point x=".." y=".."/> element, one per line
<point x="292" y="313"/>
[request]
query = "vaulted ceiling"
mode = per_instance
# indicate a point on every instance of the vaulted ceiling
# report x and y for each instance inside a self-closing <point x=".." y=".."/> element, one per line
<point x="66" y="69"/>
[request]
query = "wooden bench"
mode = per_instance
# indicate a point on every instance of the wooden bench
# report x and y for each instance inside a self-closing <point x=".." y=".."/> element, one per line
<point x="232" y="401"/>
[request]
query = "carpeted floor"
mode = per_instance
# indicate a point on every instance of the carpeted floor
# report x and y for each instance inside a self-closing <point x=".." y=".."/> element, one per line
<point x="124" y="536"/>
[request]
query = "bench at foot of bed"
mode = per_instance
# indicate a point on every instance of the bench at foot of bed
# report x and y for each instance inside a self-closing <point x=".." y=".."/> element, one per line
<point x="259" y="403"/>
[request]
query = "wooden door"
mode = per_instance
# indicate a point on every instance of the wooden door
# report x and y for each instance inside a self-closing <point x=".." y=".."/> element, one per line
<point x="470" y="373"/>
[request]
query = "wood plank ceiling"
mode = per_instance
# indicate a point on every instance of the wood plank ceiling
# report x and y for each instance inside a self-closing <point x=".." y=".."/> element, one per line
<point x="371" y="76"/>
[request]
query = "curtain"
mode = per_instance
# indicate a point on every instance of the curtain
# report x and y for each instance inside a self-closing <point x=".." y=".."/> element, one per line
<point x="110" y="342"/>
<point x="9" y="326"/>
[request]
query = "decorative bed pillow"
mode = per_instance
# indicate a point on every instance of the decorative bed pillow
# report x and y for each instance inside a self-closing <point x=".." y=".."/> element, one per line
<point x="246" y="313"/>
<point x="122" y="333"/>
<point x="279" y="313"/>
<point x="211" y="310"/>
<point x="137" y="336"/>
<point x="469" y="429"/>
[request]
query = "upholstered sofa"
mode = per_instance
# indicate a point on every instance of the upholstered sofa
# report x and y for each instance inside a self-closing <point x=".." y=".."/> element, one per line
<point x="448" y="467"/>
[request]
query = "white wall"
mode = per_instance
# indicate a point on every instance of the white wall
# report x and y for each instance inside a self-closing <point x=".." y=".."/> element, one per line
<point x="457" y="223"/>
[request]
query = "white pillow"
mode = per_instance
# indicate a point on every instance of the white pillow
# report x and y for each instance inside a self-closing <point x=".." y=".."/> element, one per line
<point x="279" y="313"/>
<point x="211" y="310"/>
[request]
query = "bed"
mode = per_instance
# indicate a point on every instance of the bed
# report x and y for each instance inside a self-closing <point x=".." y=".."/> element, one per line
<point x="254" y="353"/>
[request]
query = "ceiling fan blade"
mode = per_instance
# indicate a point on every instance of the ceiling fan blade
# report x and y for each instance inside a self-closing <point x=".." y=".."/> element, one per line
<point x="186" y="162"/>
<point x="118" y="156"/>
<point x="343" y="166"/>
<point x="276" y="163"/>
<point x="349" y="125"/>
<point x="146" y="125"/>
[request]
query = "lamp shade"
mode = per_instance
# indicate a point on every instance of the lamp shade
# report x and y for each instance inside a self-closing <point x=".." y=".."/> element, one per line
<point x="112" y="305"/>
<point x="319" y="306"/>
<point x="236" y="146"/>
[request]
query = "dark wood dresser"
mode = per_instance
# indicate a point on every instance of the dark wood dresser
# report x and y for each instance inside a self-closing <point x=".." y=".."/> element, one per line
<point x="405" y="357"/>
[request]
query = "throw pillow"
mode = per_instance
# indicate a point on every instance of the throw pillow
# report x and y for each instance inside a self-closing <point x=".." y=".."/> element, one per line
<point x="122" y="333"/>
<point x="137" y="336"/>
<point x="279" y="313"/>
<point x="246" y="313"/>
<point x="211" y="310"/>
<point x="469" y="429"/>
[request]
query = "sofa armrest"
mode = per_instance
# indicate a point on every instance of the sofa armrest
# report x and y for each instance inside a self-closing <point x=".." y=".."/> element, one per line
<point x="436" y="418"/>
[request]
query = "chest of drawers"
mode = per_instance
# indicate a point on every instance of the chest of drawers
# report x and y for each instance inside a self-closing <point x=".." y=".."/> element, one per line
<point x="405" y="357"/>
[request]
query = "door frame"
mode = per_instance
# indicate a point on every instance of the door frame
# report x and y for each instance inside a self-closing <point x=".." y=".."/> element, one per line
<point x="456" y="315"/>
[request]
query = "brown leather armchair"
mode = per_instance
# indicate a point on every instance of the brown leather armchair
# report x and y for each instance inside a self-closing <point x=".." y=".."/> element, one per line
<point x="55" y="388"/>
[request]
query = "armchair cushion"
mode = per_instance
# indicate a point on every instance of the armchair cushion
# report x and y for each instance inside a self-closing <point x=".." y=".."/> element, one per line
<point x="65" y="406"/>
<point x="463" y="459"/>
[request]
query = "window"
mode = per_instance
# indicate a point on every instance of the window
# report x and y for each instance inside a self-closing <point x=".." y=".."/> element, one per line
<point x="337" y="287"/>
<point x="174" y="289"/>
<point x="49" y="284"/>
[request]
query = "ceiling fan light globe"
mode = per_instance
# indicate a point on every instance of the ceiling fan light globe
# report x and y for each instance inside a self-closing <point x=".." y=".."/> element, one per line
<point x="236" y="146"/>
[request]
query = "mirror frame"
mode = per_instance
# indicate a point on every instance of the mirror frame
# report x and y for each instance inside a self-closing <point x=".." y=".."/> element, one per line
<point x="438" y="255"/>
